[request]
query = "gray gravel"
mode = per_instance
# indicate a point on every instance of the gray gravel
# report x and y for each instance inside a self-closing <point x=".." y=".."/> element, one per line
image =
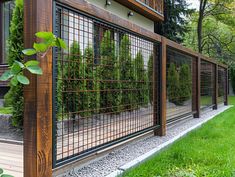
<point x="127" y="153"/>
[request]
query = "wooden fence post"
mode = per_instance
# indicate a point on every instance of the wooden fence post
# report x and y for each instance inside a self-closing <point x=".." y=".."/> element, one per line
<point x="215" y="95"/>
<point x="197" y="100"/>
<point x="38" y="95"/>
<point x="163" y="58"/>
<point x="226" y="87"/>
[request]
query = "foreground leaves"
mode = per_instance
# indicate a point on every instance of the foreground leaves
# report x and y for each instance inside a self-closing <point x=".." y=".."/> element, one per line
<point x="16" y="71"/>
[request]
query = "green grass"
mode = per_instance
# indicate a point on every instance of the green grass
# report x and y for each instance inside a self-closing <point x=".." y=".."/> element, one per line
<point x="205" y="100"/>
<point x="206" y="152"/>
<point x="5" y="110"/>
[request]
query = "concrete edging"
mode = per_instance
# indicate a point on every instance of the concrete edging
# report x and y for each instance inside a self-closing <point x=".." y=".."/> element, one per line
<point x="147" y="155"/>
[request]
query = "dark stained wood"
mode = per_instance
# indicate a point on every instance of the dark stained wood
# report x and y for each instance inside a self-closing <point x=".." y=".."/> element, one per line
<point x="1" y="34"/>
<point x="163" y="56"/>
<point x="226" y="87"/>
<point x="154" y="14"/>
<point x="38" y="95"/>
<point x="215" y="95"/>
<point x="97" y="12"/>
<point x="197" y="87"/>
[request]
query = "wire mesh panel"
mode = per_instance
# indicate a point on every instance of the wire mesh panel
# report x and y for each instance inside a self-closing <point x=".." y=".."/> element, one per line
<point x="103" y="85"/>
<point x="221" y="85"/>
<point x="179" y="84"/>
<point x="207" y="84"/>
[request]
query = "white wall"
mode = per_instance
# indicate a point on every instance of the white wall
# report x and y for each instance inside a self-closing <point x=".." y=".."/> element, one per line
<point x="122" y="12"/>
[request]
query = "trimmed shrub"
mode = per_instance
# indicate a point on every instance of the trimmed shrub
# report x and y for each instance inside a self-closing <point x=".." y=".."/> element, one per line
<point x="91" y="99"/>
<point x="150" y="78"/>
<point x="173" y="84"/>
<point x="126" y="75"/>
<point x="74" y="99"/>
<point x="141" y="80"/>
<point x="107" y="73"/>
<point x="185" y="83"/>
<point x="16" y="44"/>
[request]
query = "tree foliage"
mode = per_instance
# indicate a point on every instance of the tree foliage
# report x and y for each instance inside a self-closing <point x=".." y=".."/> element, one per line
<point x="126" y="74"/>
<point x="107" y="73"/>
<point x="174" y="25"/>
<point x="150" y="78"/>
<point x="142" y="96"/>
<point x="16" y="43"/>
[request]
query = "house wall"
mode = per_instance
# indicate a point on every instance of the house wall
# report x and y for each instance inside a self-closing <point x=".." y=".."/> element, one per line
<point x="122" y="12"/>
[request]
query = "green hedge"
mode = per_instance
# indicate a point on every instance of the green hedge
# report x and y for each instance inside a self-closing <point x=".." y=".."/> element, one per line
<point x="14" y="97"/>
<point x="179" y="84"/>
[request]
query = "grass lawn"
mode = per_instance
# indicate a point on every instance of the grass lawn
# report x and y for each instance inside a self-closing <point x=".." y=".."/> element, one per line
<point x="5" y="110"/>
<point x="206" y="152"/>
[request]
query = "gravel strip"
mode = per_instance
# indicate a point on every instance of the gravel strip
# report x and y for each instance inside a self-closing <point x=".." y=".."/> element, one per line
<point x="114" y="160"/>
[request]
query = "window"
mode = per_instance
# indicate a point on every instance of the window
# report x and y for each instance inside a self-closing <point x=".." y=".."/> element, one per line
<point x="6" y="11"/>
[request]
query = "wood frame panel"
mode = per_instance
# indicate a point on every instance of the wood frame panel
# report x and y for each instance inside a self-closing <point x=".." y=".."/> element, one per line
<point x="163" y="58"/>
<point x="144" y="10"/>
<point x="38" y="95"/>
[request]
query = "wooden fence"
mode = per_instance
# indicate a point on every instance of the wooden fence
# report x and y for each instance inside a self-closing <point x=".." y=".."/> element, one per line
<point x="41" y="120"/>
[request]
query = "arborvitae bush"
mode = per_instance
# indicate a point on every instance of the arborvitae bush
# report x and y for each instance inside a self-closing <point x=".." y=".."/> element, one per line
<point x="91" y="99"/>
<point x="16" y="45"/>
<point x="185" y="83"/>
<point x="126" y="75"/>
<point x="173" y="84"/>
<point x="150" y="78"/>
<point x="141" y="80"/>
<point x="232" y="77"/>
<point x="108" y="75"/>
<point x="73" y="99"/>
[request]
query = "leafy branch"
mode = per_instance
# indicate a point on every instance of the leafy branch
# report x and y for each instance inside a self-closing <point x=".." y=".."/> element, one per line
<point x="4" y="175"/>
<point x="16" y="72"/>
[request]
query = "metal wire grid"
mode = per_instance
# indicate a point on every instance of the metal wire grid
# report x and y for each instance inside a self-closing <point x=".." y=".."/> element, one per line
<point x="221" y="85"/>
<point x="207" y="84"/>
<point x="103" y="84"/>
<point x="179" y="84"/>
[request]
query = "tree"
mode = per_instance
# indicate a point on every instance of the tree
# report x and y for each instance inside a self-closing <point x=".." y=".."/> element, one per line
<point x="91" y="100"/>
<point x="185" y="83"/>
<point x="126" y="75"/>
<point x="173" y="84"/>
<point x="217" y="9"/>
<point x="141" y="80"/>
<point x="16" y="43"/>
<point x="174" y="25"/>
<point x="72" y="83"/>
<point x="150" y="78"/>
<point x="108" y="76"/>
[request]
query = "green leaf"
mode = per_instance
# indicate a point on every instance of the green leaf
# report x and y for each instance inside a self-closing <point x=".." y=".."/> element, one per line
<point x="22" y="79"/>
<point x="14" y="81"/>
<point x="61" y="43"/>
<point x="7" y="75"/>
<point x="32" y="63"/>
<point x="15" y="69"/>
<point x="40" y="47"/>
<point x="29" y="52"/>
<point x="35" y="70"/>
<point x="7" y="175"/>
<point x="45" y="35"/>
<point x="19" y="63"/>
<point x="1" y="171"/>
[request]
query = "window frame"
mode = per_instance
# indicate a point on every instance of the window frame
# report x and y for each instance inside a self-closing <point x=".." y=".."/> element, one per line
<point x="3" y="61"/>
